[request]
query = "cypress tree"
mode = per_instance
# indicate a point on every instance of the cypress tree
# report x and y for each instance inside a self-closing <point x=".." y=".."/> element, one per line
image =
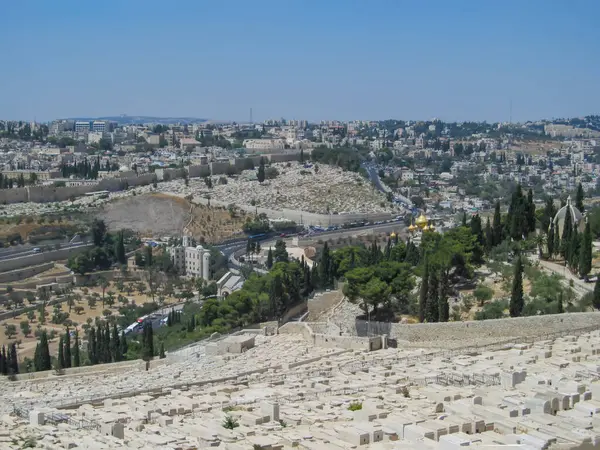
<point x="13" y="363"/>
<point x="424" y="292"/>
<point x="45" y="360"/>
<point x="325" y="266"/>
<point x="124" y="345"/>
<point x="148" y="342"/>
<point x="76" y="356"/>
<point x="556" y="240"/>
<point x="560" y="306"/>
<point x="116" y="344"/>
<point x="567" y="231"/>
<point x="260" y="174"/>
<point x="579" y="198"/>
<point x="432" y="311"/>
<point x="92" y="346"/>
<point x="585" y="252"/>
<point x="550" y="241"/>
<point x="107" y="344"/>
<point x="60" y="359"/>
<point x="443" y="306"/>
<point x="497" y="226"/>
<point x="464" y="219"/>
<point x="530" y="212"/>
<point x="3" y="361"/>
<point x="516" y="298"/>
<point x="574" y="250"/>
<point x="596" y="295"/>
<point x="161" y="353"/>
<point x="269" y="258"/>
<point x="67" y="349"/>
<point x="120" y="249"/>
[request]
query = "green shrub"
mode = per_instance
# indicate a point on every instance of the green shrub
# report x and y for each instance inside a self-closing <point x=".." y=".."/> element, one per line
<point x="355" y="406"/>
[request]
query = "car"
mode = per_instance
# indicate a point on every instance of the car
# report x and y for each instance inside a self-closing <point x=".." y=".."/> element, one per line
<point x="282" y="235"/>
<point x="37" y="250"/>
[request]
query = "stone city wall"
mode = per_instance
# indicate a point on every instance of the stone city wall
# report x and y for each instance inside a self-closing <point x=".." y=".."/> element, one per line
<point x="46" y="194"/>
<point x="202" y="170"/>
<point x="471" y="332"/>
<point x="219" y="168"/>
<point x="8" y="196"/>
<point x="40" y="258"/>
<point x="21" y="274"/>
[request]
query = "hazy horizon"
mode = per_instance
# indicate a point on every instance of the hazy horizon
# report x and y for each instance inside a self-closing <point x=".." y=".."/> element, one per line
<point x="335" y="60"/>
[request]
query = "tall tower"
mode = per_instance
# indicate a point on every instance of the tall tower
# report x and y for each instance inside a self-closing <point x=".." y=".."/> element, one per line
<point x="206" y="265"/>
<point x="250" y="116"/>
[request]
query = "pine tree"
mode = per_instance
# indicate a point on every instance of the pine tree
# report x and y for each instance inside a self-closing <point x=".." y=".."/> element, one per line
<point x="269" y="258"/>
<point x="516" y="298"/>
<point x="60" y="359"/>
<point x="585" y="252"/>
<point x="579" y="198"/>
<point x="432" y="311"/>
<point x="76" y="356"/>
<point x="67" y="351"/>
<point x="13" y="360"/>
<point x="550" y="241"/>
<point x="497" y="226"/>
<point x="424" y="292"/>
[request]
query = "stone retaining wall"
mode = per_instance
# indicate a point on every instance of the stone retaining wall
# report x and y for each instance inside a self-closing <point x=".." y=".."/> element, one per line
<point x="470" y="332"/>
<point x="21" y="274"/>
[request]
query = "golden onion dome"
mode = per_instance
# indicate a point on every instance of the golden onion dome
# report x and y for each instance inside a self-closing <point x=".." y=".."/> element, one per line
<point x="421" y="220"/>
<point x="393" y="235"/>
<point x="412" y="228"/>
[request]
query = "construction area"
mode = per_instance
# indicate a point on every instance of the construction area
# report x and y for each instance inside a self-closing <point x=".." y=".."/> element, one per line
<point x="314" y="386"/>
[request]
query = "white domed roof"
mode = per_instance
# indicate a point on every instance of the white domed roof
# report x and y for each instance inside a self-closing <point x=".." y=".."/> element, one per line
<point x="576" y="217"/>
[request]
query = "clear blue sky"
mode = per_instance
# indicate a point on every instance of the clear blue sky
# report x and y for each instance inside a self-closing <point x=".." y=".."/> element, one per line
<point x="304" y="59"/>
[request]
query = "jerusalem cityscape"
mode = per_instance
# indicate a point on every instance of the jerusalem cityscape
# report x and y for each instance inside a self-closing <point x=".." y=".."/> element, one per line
<point x="331" y="226"/>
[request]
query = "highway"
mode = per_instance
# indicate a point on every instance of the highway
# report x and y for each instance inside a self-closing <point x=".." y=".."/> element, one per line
<point x="27" y="249"/>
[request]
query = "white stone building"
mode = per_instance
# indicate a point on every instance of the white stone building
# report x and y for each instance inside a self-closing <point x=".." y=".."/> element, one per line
<point x="190" y="260"/>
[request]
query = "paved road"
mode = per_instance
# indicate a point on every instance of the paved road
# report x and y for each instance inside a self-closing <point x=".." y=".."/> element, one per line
<point x="374" y="176"/>
<point x="580" y="286"/>
<point x="20" y="252"/>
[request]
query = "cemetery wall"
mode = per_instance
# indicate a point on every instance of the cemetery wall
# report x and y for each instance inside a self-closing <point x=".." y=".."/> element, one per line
<point x="470" y="332"/>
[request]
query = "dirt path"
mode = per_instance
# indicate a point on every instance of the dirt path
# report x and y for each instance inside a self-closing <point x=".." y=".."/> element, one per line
<point x="581" y="287"/>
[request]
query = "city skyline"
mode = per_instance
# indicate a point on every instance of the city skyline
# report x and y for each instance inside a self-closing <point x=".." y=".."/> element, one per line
<point x="339" y="61"/>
